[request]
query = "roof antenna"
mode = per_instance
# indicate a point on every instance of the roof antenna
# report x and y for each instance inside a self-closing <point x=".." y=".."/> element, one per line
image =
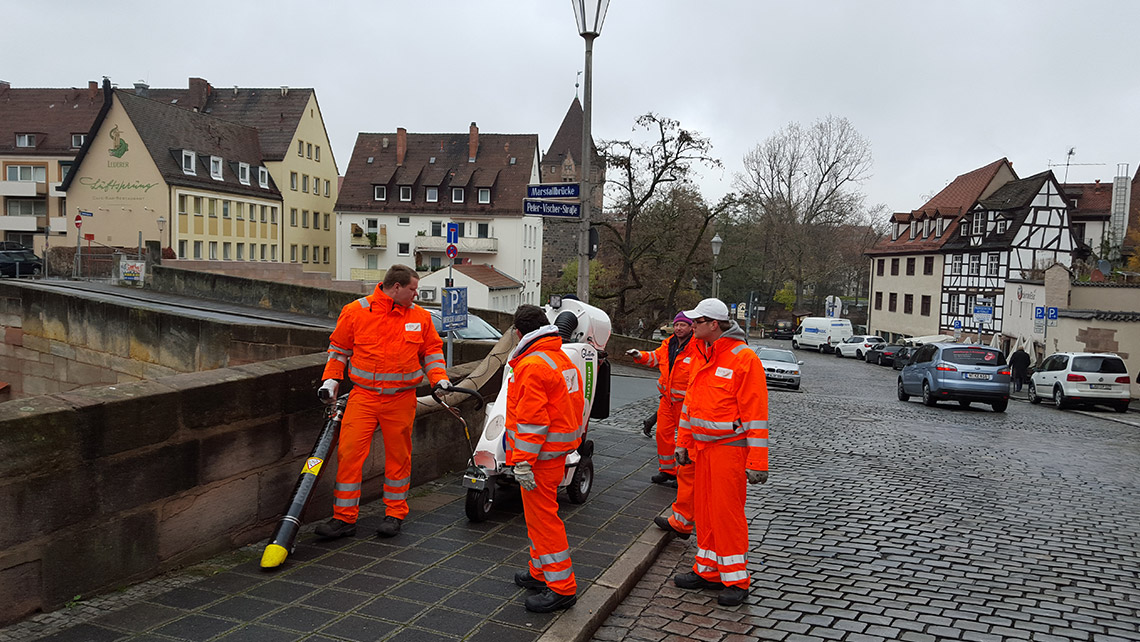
<point x="576" y="84"/>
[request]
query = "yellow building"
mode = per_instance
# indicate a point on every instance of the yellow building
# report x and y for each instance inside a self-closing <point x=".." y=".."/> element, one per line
<point x="150" y="167"/>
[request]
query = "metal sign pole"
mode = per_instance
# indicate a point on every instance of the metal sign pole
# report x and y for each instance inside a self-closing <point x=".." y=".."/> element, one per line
<point x="450" y="333"/>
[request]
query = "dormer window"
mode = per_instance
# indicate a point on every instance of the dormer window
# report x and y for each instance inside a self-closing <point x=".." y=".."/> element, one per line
<point x="188" y="163"/>
<point x="979" y="223"/>
<point x="484" y="195"/>
<point x="913" y="229"/>
<point x="216" y="168"/>
<point x="1001" y="224"/>
<point x="405" y="193"/>
<point x="457" y="195"/>
<point x="263" y="177"/>
<point x="77" y="140"/>
<point x="964" y="228"/>
<point x="243" y="173"/>
<point x="379" y="193"/>
<point x="431" y="195"/>
<point x="25" y="140"/>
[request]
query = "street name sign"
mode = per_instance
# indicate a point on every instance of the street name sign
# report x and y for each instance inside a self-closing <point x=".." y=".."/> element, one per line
<point x="983" y="314"/>
<point x="552" y="208"/>
<point x="553" y="190"/>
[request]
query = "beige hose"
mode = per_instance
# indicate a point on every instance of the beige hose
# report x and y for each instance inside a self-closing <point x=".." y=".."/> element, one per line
<point x="489" y="367"/>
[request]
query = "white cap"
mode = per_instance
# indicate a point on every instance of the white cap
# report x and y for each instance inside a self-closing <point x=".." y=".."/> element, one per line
<point x="709" y="309"/>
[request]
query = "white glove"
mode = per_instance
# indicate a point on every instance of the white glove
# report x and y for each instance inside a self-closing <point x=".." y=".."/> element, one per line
<point x="636" y="354"/>
<point x="443" y="386"/>
<point x="757" y="476"/>
<point x="327" y="391"/>
<point x="681" y="456"/>
<point x="525" y="476"/>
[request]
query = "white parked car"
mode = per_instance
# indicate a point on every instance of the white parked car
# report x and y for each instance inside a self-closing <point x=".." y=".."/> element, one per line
<point x="857" y="346"/>
<point x="1080" y="378"/>
<point x="780" y="366"/>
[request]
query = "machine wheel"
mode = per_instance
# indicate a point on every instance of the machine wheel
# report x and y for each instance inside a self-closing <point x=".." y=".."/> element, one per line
<point x="903" y="396"/>
<point x="1000" y="406"/>
<point x="927" y="398"/>
<point x="1059" y="399"/>
<point x="582" y="482"/>
<point x="964" y="403"/>
<point x="1033" y="397"/>
<point x="479" y="502"/>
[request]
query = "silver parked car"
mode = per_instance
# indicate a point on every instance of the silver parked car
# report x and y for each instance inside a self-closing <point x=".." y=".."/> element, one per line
<point x="780" y="366"/>
<point x="952" y="371"/>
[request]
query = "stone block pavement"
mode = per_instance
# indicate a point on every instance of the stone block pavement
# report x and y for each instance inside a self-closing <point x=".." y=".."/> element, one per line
<point x="443" y="578"/>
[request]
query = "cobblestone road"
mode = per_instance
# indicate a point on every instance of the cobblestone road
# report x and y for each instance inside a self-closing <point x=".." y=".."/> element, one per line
<point x="886" y="520"/>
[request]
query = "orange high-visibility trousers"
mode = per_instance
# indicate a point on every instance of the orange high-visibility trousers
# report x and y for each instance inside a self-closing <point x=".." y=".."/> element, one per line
<point x="668" y="414"/>
<point x="549" y="550"/>
<point x="719" y="489"/>
<point x="682" y="517"/>
<point x="366" y="410"/>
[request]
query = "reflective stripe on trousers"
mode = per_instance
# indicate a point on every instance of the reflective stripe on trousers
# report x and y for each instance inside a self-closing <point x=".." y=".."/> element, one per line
<point x="719" y="491"/>
<point x="549" y="550"/>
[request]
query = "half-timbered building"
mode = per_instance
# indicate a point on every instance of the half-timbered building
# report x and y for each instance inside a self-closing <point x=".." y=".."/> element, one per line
<point x="1016" y="232"/>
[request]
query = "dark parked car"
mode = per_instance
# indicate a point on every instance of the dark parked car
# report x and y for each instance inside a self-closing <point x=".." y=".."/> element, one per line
<point x="882" y="354"/>
<point x="784" y="330"/>
<point x="952" y="371"/>
<point x="20" y="263"/>
<point x="902" y="357"/>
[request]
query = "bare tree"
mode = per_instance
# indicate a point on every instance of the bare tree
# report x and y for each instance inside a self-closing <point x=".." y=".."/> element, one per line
<point x="805" y="181"/>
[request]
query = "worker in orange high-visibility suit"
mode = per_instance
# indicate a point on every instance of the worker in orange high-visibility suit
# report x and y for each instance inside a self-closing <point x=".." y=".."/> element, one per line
<point x="723" y="433"/>
<point x="545" y="404"/>
<point x="386" y="343"/>
<point x="674" y="357"/>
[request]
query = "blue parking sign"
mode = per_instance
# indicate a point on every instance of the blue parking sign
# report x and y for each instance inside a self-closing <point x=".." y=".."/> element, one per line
<point x="1039" y="312"/>
<point x="453" y="308"/>
<point x="1051" y="313"/>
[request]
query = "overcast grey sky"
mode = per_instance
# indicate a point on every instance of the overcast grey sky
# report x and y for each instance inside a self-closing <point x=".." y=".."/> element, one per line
<point x="938" y="88"/>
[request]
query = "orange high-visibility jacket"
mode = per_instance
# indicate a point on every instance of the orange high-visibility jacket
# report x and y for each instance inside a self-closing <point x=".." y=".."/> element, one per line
<point x="727" y="402"/>
<point x="385" y="347"/>
<point x="545" y="400"/>
<point x="672" y="384"/>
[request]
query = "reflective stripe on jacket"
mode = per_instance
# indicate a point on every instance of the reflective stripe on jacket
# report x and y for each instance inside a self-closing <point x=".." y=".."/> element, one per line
<point x="672" y="384"/>
<point x="545" y="400"/>
<point x="727" y="401"/>
<point x="384" y="347"/>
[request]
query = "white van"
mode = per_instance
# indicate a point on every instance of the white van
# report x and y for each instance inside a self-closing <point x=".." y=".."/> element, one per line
<point x="821" y="333"/>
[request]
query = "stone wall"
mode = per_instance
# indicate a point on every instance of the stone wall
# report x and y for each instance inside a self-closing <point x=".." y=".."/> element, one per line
<point x="105" y="486"/>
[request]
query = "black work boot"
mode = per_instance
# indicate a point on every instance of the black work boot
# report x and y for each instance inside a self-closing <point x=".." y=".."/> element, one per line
<point x="664" y="524"/>
<point x="732" y="596"/>
<point x="335" y="528"/>
<point x="691" y="580"/>
<point x="647" y="426"/>
<point x="549" y="601"/>
<point x="390" y="527"/>
<point x="527" y="581"/>
<point x="663" y="478"/>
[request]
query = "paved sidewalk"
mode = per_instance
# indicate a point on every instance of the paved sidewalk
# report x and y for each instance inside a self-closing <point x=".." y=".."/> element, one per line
<point x="443" y="578"/>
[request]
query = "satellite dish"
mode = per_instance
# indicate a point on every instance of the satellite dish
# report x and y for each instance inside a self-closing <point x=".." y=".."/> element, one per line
<point x="1104" y="266"/>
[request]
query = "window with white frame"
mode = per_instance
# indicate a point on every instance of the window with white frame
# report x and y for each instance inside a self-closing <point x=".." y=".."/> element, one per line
<point x="964" y="228"/>
<point x="77" y="140"/>
<point x="308" y="150"/>
<point x="317" y="156"/>
<point x="403" y="249"/>
<point x="431" y="195"/>
<point x="293" y="253"/>
<point x="483" y="230"/>
<point x="304" y="253"/>
<point x="197" y="249"/>
<point x="293" y="181"/>
<point x="326" y="189"/>
<point x="243" y="173"/>
<point x="979" y="223"/>
<point x="457" y="195"/>
<point x="216" y="168"/>
<point x="405" y="193"/>
<point x="379" y="193"/>
<point x="956" y="264"/>
<point x="993" y="264"/>
<point x="404" y="220"/>
<point x="263" y="177"/>
<point x="226" y="251"/>
<point x="264" y="208"/>
<point x="371" y="261"/>
<point x="240" y="247"/>
<point x="181" y="249"/>
<point x="304" y="182"/>
<point x="975" y="264"/>
<point x="371" y="225"/>
<point x="213" y="250"/>
<point x="437" y="228"/>
<point x="325" y="251"/>
<point x="484" y="195"/>
<point x="188" y="163"/>
<point x="27" y="173"/>
<point x="25" y="140"/>
<point x="952" y="305"/>
<point x="1000" y="226"/>
<point x="913" y="228"/>
<point x="25" y="207"/>
<point x="273" y="215"/>
<point x="301" y="148"/>
<point x="225" y="209"/>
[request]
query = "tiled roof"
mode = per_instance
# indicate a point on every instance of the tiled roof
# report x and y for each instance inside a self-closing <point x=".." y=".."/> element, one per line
<point x="166" y="130"/>
<point x="1011" y="201"/>
<point x="1093" y="200"/>
<point x="952" y="202"/>
<point x="1100" y="315"/>
<point x="568" y="140"/>
<point x="488" y="276"/>
<point x="440" y="160"/>
<point x="53" y="115"/>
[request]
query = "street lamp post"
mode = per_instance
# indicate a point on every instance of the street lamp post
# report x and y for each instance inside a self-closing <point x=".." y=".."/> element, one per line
<point x="589" y="14"/>
<point x="161" y="227"/>
<point x="716" y="243"/>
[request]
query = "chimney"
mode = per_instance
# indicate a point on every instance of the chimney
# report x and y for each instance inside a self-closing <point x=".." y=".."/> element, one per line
<point x="142" y="89"/>
<point x="401" y="145"/>
<point x="284" y="90"/>
<point x="199" y="91"/>
<point x="4" y="85"/>
<point x="472" y="142"/>
<point x="92" y="89"/>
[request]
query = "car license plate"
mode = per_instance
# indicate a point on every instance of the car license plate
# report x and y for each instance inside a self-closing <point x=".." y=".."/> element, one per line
<point x="1100" y="386"/>
<point x="978" y="375"/>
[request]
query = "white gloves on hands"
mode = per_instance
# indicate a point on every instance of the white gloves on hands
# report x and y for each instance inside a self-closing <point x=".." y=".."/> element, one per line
<point x="681" y="456"/>
<point x="327" y="392"/>
<point x="443" y="386"/>
<point x="757" y="476"/>
<point x="636" y="354"/>
<point x="525" y="476"/>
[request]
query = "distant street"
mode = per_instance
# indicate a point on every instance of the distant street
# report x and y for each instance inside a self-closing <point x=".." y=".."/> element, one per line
<point x="886" y="520"/>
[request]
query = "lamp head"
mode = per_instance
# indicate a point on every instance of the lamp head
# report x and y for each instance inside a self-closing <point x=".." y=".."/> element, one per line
<point x="590" y="14"/>
<point x="716" y="243"/>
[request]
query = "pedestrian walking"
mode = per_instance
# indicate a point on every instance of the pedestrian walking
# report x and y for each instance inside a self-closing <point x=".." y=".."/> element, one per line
<point x="674" y="358"/>
<point x="1019" y="365"/>
<point x="545" y="403"/>
<point x="386" y="343"/>
<point x="723" y="433"/>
